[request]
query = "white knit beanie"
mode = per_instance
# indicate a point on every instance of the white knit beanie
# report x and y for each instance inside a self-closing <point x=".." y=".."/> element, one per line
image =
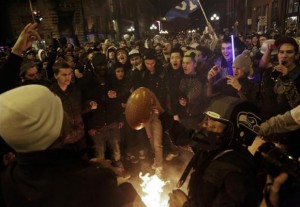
<point x="30" y="118"/>
<point x="244" y="62"/>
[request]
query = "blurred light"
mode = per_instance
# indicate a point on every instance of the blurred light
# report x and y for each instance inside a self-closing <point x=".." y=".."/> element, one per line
<point x="214" y="17"/>
<point x="37" y="16"/>
<point x="153" y="27"/>
<point x="131" y="29"/>
<point x="164" y="32"/>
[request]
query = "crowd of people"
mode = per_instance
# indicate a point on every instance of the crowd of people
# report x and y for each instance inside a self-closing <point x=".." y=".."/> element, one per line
<point x="187" y="74"/>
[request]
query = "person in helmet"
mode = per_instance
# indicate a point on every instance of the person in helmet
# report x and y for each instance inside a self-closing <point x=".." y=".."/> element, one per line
<point x="223" y="169"/>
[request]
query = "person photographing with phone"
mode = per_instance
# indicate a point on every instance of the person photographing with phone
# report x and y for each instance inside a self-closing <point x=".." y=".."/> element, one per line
<point x="236" y="85"/>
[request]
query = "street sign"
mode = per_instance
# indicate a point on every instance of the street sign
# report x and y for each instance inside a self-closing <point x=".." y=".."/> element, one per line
<point x="262" y="20"/>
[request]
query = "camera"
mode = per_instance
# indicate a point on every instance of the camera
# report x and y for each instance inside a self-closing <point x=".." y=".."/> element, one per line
<point x="275" y="74"/>
<point x="37" y="16"/>
<point x="277" y="160"/>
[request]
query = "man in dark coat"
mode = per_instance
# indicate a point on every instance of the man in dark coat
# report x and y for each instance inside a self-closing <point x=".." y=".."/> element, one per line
<point x="224" y="170"/>
<point x="104" y="123"/>
<point x="71" y="99"/>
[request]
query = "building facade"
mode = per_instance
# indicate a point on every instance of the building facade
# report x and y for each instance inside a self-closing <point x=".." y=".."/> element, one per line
<point x="281" y="15"/>
<point x="90" y="20"/>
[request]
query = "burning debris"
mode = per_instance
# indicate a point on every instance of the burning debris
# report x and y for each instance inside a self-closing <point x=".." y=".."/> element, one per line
<point x="152" y="188"/>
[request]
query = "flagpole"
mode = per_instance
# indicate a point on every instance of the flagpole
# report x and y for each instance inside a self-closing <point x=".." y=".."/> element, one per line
<point x="31" y="10"/>
<point x="203" y="12"/>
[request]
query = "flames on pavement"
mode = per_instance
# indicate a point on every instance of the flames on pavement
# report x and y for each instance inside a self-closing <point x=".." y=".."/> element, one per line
<point x="153" y="191"/>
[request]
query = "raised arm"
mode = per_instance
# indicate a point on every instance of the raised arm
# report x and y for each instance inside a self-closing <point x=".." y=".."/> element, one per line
<point x="9" y="73"/>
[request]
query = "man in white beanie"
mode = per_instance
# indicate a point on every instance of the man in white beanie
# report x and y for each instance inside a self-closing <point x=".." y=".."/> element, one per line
<point x="45" y="172"/>
<point x="237" y="85"/>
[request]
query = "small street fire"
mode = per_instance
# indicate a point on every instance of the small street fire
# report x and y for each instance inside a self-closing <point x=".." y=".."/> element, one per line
<point x="153" y="193"/>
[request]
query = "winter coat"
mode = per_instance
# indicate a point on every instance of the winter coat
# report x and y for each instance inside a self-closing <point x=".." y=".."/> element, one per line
<point x="192" y="88"/>
<point x="224" y="177"/>
<point x="108" y="110"/>
<point x="156" y="83"/>
<point x="58" y="178"/>
<point x="74" y="108"/>
<point x="173" y="80"/>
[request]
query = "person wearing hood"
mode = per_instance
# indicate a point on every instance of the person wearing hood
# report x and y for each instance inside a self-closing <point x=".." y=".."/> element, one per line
<point x="103" y="124"/>
<point x="42" y="63"/>
<point x="224" y="171"/>
<point x="122" y="57"/>
<point x="111" y="56"/>
<point x="42" y="55"/>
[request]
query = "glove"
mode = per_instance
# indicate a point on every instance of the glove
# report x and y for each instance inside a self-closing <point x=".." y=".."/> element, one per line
<point x="177" y="198"/>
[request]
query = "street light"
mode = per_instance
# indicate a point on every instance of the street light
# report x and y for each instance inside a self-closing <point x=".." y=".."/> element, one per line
<point x="214" y="17"/>
<point x="215" y="21"/>
<point x="164" y="32"/>
<point x="131" y="29"/>
<point x="153" y="27"/>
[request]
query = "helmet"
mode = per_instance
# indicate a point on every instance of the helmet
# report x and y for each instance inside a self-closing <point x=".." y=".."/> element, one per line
<point x="241" y="117"/>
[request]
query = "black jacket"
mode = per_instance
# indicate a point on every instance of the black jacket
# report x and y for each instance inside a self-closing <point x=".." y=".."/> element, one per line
<point x="74" y="107"/>
<point x="108" y="110"/>
<point x="173" y="80"/>
<point x="9" y="73"/>
<point x="192" y="88"/>
<point x="156" y="83"/>
<point x="58" y="178"/>
<point x="225" y="177"/>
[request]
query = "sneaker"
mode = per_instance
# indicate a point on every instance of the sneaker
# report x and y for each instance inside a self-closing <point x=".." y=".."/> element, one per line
<point x="142" y="155"/>
<point x="171" y="156"/>
<point x="131" y="158"/>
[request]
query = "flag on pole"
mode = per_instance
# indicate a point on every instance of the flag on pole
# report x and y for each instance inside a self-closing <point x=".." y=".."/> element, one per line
<point x="182" y="10"/>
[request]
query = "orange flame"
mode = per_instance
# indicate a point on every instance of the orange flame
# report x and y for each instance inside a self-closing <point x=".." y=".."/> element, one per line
<point x="152" y="187"/>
